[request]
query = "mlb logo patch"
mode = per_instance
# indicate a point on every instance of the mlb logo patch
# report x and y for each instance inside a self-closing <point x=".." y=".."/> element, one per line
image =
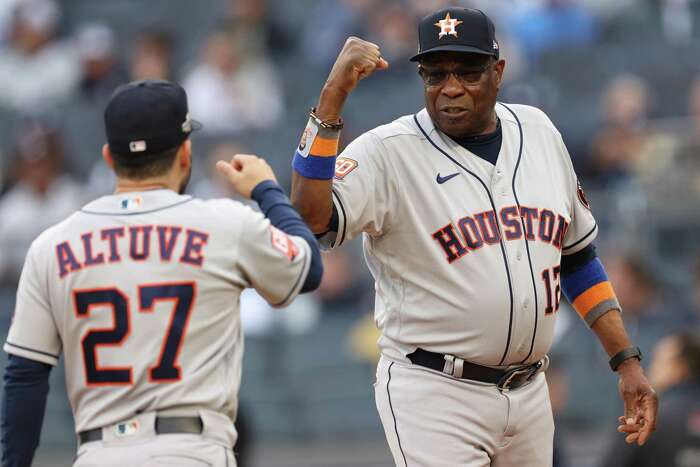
<point x="126" y="428"/>
<point x="137" y="146"/>
<point x="132" y="203"/>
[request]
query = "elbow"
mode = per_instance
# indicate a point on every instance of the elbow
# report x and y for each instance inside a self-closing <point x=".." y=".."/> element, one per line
<point x="317" y="222"/>
<point x="315" y="216"/>
<point x="314" y="277"/>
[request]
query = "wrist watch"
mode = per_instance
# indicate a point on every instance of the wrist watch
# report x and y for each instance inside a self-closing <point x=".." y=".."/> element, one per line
<point x="625" y="354"/>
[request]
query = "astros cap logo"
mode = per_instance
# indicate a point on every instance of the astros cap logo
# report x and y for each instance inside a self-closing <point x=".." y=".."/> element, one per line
<point x="448" y="26"/>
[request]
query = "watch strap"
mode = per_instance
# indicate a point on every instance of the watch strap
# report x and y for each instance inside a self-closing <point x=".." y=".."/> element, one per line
<point x="625" y="354"/>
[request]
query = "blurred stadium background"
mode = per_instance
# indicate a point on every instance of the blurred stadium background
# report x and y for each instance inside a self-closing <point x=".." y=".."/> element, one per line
<point x="620" y="78"/>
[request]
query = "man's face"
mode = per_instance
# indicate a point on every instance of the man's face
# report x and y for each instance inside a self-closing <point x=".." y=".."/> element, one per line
<point x="461" y="91"/>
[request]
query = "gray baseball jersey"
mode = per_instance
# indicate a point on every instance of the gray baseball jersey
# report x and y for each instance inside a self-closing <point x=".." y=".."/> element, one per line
<point x="140" y="292"/>
<point x="465" y="254"/>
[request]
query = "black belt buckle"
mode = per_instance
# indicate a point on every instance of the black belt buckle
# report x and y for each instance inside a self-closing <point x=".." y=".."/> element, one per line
<point x="517" y="377"/>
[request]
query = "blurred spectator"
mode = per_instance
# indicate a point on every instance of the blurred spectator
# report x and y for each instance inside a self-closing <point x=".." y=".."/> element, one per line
<point x="330" y="24"/>
<point x="688" y="142"/>
<point x="695" y="292"/>
<point x="261" y="25"/>
<point x="694" y="105"/>
<point x="648" y="314"/>
<point x="675" y="373"/>
<point x="623" y="137"/>
<point x="36" y="69"/>
<point x="556" y="24"/>
<point x="151" y="56"/>
<point x="2" y="175"/>
<point x="388" y="29"/>
<point x="259" y="319"/>
<point x="231" y="89"/>
<point x="677" y="21"/>
<point x="101" y="72"/>
<point x="344" y="289"/>
<point x="7" y="8"/>
<point x="423" y="8"/>
<point x="42" y="194"/>
<point x="101" y="181"/>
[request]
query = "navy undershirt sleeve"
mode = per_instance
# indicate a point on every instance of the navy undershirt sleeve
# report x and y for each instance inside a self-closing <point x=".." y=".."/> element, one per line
<point x="23" y="406"/>
<point x="275" y="205"/>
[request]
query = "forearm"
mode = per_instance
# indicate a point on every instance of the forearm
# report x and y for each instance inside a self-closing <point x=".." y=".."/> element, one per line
<point x="23" y="405"/>
<point x="312" y="197"/>
<point x="313" y="200"/>
<point x="330" y="103"/>
<point x="611" y="333"/>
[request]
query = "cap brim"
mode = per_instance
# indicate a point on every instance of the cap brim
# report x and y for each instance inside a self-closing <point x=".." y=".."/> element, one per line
<point x="451" y="48"/>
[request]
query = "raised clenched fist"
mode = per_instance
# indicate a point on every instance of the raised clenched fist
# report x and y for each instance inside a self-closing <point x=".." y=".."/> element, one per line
<point x="357" y="60"/>
<point x="245" y="171"/>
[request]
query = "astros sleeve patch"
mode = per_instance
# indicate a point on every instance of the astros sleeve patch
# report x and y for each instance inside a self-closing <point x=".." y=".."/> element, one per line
<point x="283" y="243"/>
<point x="582" y="195"/>
<point x="343" y="166"/>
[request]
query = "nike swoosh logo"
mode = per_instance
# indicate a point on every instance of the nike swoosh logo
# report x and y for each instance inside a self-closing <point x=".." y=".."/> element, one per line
<point x="442" y="180"/>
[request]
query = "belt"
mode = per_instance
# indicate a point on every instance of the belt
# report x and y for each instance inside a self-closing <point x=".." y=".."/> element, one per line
<point x="453" y="366"/>
<point x="164" y="425"/>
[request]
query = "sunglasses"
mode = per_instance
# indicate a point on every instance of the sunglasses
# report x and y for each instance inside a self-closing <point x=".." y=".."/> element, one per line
<point x="466" y="76"/>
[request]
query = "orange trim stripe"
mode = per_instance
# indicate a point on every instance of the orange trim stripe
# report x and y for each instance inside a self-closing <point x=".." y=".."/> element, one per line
<point x="597" y="294"/>
<point x="324" y="147"/>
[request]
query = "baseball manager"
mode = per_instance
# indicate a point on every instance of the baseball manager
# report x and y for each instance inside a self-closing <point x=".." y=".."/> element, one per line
<point x="473" y="222"/>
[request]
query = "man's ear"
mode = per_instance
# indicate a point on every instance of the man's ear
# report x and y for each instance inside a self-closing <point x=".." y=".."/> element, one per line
<point x="107" y="156"/>
<point x="499" y="67"/>
<point x="185" y="156"/>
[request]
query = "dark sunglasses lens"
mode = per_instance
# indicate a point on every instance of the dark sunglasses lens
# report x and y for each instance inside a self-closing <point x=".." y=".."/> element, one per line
<point x="435" y="77"/>
<point x="469" y="76"/>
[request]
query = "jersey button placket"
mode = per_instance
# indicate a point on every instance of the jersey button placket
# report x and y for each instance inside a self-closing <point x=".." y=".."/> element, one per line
<point x="500" y="184"/>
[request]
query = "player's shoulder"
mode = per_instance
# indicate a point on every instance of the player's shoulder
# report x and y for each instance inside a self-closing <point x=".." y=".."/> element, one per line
<point x="47" y="239"/>
<point x="526" y="115"/>
<point x="379" y="141"/>
<point x="402" y="126"/>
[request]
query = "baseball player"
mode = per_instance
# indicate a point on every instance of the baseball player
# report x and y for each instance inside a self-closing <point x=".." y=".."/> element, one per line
<point x="140" y="292"/>
<point x="473" y="221"/>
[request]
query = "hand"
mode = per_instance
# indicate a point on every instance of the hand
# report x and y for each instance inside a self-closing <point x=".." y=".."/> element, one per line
<point x="245" y="172"/>
<point x="357" y="60"/>
<point x="641" y="403"/>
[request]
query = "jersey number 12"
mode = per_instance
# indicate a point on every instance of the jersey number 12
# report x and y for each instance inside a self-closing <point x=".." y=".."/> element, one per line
<point x="553" y="293"/>
<point x="166" y="368"/>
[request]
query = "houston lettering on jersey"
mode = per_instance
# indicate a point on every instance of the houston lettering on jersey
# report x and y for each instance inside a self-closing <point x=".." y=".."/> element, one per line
<point x="473" y="232"/>
<point x="137" y="243"/>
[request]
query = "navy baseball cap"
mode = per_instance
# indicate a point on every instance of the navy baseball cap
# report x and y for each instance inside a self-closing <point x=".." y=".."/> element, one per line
<point x="456" y="29"/>
<point x="147" y="117"/>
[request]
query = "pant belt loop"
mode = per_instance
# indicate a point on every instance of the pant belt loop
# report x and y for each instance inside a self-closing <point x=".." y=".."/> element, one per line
<point x="449" y="364"/>
<point x="458" y="368"/>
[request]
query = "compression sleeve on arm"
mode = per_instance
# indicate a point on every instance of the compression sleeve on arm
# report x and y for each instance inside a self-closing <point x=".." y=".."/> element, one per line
<point x="23" y="406"/>
<point x="275" y="205"/>
<point x="585" y="284"/>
